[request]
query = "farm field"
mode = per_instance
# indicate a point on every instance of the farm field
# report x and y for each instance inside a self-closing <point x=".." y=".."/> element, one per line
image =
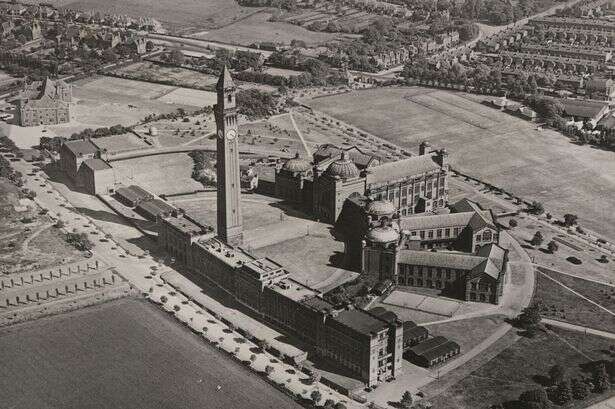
<point x="498" y="148"/>
<point x="149" y="71"/>
<point x="160" y="174"/>
<point x="512" y="371"/>
<point x="177" y="16"/>
<point x="122" y="354"/>
<point x="257" y="28"/>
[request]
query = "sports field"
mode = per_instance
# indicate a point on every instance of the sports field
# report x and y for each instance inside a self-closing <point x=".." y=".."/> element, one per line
<point x="123" y="354"/>
<point x="494" y="146"/>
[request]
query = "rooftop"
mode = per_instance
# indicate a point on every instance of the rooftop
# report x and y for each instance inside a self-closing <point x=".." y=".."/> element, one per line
<point x="81" y="147"/>
<point x="187" y="226"/>
<point x="414" y="166"/>
<point x="422" y="222"/>
<point x="96" y="164"/>
<point x="360" y="321"/>
<point x="440" y="259"/>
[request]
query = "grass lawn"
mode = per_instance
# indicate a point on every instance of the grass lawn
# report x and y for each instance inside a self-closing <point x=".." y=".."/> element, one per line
<point x="524" y="366"/>
<point x="183" y="16"/>
<point x="257" y="28"/>
<point x="501" y="149"/>
<point x="122" y="354"/>
<point x="598" y="293"/>
<point x="481" y="329"/>
<point x="561" y="304"/>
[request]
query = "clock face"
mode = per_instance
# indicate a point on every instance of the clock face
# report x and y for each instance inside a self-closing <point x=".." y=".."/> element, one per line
<point x="231" y="134"/>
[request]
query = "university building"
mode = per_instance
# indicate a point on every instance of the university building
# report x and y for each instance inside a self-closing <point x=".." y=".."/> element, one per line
<point x="44" y="103"/>
<point x="415" y="185"/>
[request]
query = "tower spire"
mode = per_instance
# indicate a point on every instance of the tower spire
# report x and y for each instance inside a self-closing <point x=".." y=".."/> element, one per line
<point x="225" y="81"/>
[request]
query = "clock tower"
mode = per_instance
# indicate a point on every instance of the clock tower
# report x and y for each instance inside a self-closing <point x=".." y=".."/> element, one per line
<point x="227" y="166"/>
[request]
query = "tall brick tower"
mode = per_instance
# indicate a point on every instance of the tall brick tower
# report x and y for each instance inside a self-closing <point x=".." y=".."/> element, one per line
<point x="227" y="167"/>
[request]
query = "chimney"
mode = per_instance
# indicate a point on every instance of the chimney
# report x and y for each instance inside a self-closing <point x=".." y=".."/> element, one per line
<point x="442" y="158"/>
<point x="424" y="147"/>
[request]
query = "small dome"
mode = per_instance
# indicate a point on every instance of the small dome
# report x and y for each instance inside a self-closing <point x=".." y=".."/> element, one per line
<point x="382" y="234"/>
<point x="296" y="164"/>
<point x="343" y="168"/>
<point x="380" y="208"/>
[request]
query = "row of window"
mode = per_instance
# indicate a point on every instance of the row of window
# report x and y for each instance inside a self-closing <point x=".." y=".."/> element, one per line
<point x="430" y="272"/>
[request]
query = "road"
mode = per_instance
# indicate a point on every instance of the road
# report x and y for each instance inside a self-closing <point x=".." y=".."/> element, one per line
<point x="578" y="328"/>
<point x="203" y="45"/>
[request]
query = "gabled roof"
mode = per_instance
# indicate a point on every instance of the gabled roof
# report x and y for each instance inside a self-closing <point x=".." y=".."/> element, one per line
<point x="96" y="164"/>
<point x="583" y="108"/>
<point x="465" y="205"/>
<point x="440" y="259"/>
<point x="81" y="147"/>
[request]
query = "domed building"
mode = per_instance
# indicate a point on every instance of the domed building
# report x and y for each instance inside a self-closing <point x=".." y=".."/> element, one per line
<point x="291" y="180"/>
<point x="382" y="235"/>
<point x="415" y="184"/>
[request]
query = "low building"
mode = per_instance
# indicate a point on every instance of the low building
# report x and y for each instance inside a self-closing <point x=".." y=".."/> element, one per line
<point x="433" y="351"/>
<point x="600" y="88"/>
<point x="132" y="195"/>
<point x="74" y="153"/>
<point x="154" y="209"/>
<point x="590" y="112"/>
<point x="414" y="334"/>
<point x="96" y="177"/>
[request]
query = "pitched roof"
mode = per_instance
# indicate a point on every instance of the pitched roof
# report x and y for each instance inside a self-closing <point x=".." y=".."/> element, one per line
<point x="96" y="164"/>
<point x="416" y="165"/>
<point x="428" y="344"/>
<point x="81" y="147"/>
<point x="440" y="259"/>
<point x="475" y="219"/>
<point x="465" y="205"/>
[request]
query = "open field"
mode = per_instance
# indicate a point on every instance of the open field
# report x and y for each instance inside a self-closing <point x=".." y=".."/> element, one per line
<point x="481" y="329"/>
<point x="257" y="28"/>
<point x="563" y="305"/>
<point x="524" y="366"/>
<point x="123" y="354"/>
<point x="175" y="132"/>
<point x="120" y="143"/>
<point x="184" y="16"/>
<point x="494" y="146"/>
<point x="27" y="240"/>
<point x="598" y="293"/>
<point x="160" y="174"/>
<point x="149" y="71"/>
<point x="590" y="268"/>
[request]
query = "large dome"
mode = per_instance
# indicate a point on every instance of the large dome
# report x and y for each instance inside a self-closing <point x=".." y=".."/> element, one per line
<point x="296" y="164"/>
<point x="380" y="208"/>
<point x="343" y="168"/>
<point x="382" y="234"/>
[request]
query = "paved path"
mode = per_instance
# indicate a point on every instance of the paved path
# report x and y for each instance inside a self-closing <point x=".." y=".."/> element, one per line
<point x="308" y="151"/>
<point x="578" y="328"/>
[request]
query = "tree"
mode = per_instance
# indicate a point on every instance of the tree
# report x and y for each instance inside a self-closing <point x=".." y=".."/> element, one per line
<point x="406" y="400"/>
<point x="580" y="390"/>
<point x="177" y="57"/>
<point x="563" y="393"/>
<point x="329" y="404"/>
<point x="601" y="379"/>
<point x="513" y="223"/>
<point x="535" y="398"/>
<point x="536" y="208"/>
<point x="269" y="369"/>
<point x="315" y="377"/>
<point x="557" y="373"/>
<point x="552" y="247"/>
<point x="316" y="396"/>
<point x="570" y="219"/>
<point x="340" y="405"/>
<point x="537" y="239"/>
<point x="109" y="56"/>
<point x="529" y="317"/>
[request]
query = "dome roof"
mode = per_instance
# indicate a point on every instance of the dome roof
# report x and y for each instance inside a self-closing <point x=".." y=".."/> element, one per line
<point x="382" y="234"/>
<point x="380" y="208"/>
<point x="343" y="168"/>
<point x="297" y="164"/>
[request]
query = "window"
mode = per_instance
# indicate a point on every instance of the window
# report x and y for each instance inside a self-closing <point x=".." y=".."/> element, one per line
<point x="478" y="237"/>
<point x="456" y="232"/>
<point x="391" y="196"/>
<point x="430" y="234"/>
<point x="448" y="275"/>
<point x="439" y="233"/>
<point x="413" y="233"/>
<point x="422" y="234"/>
<point x="404" y="202"/>
<point x="404" y="191"/>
